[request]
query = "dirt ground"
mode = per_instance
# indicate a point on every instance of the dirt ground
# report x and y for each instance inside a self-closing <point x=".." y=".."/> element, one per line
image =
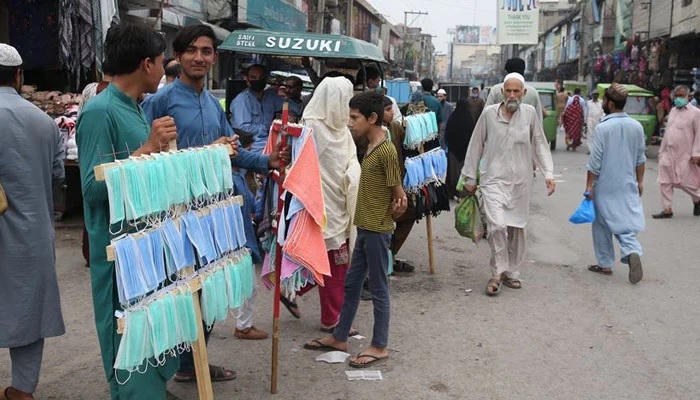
<point x="568" y="334"/>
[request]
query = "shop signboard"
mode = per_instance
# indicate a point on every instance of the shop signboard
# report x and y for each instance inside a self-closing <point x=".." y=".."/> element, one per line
<point x="518" y="23"/>
<point x="272" y="14"/>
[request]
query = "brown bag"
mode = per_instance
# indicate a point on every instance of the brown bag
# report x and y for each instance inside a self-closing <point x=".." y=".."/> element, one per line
<point x="3" y="201"/>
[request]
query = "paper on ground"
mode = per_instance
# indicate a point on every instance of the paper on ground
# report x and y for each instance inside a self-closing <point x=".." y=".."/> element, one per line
<point x="333" y="357"/>
<point x="364" y="375"/>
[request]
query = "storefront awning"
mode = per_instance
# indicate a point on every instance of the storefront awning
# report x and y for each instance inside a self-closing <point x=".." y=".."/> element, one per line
<point x="298" y="44"/>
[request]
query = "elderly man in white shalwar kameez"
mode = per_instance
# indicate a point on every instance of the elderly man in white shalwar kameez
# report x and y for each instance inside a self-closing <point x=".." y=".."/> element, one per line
<point x="31" y="162"/>
<point x="615" y="183"/>
<point x="504" y="163"/>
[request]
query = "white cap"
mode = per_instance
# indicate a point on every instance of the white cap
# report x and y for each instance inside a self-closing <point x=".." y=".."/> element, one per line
<point x="514" y="75"/>
<point x="9" y="57"/>
<point x="442" y="91"/>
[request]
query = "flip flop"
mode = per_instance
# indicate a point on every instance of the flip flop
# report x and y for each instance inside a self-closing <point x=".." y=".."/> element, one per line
<point x="291" y="306"/>
<point x="512" y="283"/>
<point x="352" y="332"/>
<point x="375" y="360"/>
<point x="321" y="346"/>
<point x="496" y="290"/>
<point x="599" y="270"/>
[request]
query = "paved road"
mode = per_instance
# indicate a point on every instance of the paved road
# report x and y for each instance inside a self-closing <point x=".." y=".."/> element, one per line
<point x="568" y="334"/>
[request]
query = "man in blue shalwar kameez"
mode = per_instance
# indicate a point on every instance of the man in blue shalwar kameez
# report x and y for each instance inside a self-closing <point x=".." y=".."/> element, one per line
<point x="200" y="121"/>
<point x="615" y="183"/>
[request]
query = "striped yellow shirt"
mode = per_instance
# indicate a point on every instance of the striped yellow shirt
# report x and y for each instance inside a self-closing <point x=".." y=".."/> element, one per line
<point x="380" y="172"/>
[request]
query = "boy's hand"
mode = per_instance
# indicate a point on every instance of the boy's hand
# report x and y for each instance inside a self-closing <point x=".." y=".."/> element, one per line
<point x="398" y="206"/>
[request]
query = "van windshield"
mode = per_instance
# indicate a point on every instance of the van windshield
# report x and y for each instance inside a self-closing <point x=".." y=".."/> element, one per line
<point x="639" y="105"/>
<point x="547" y="100"/>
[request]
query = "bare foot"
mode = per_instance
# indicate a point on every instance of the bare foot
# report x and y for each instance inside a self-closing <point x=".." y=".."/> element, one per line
<point x="374" y="353"/>
<point x="326" y="343"/>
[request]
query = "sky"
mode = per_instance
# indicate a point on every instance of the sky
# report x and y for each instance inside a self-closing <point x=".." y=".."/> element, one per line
<point x="442" y="15"/>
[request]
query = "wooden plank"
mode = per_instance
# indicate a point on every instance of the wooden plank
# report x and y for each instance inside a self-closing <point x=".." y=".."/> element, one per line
<point x="102" y="168"/>
<point x="429" y="228"/>
<point x="201" y="358"/>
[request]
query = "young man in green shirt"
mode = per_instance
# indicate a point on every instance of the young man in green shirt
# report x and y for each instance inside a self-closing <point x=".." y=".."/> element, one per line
<point x="113" y="126"/>
<point x="380" y="200"/>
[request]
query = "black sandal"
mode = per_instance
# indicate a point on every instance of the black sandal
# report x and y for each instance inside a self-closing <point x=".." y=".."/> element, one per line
<point x="600" y="270"/>
<point x="291" y="306"/>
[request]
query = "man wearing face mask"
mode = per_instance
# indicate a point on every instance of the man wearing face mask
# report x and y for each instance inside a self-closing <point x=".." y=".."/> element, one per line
<point x="679" y="154"/>
<point x="615" y="184"/>
<point x="31" y="164"/>
<point x="254" y="108"/>
<point x="476" y="104"/>
<point x="514" y="135"/>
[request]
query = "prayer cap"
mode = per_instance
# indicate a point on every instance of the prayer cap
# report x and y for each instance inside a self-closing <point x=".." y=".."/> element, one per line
<point x="9" y="57"/>
<point x="514" y="75"/>
<point x="441" y="91"/>
<point x="617" y="92"/>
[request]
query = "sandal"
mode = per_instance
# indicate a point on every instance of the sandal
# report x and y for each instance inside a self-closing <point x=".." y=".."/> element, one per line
<point x="291" y="306"/>
<point x="493" y="287"/>
<point x="317" y="345"/>
<point x="403" y="266"/>
<point x="3" y="394"/>
<point x="512" y="283"/>
<point x="600" y="270"/>
<point x="330" y="329"/>
<point x="217" y="374"/>
<point x="375" y="360"/>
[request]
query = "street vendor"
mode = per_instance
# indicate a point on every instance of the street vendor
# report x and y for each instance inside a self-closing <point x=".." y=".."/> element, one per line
<point x="113" y="126"/>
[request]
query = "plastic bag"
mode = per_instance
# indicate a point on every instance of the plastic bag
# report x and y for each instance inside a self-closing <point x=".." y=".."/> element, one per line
<point x="584" y="214"/>
<point x="468" y="222"/>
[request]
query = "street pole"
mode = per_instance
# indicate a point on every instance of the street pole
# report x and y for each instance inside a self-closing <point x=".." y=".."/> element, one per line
<point x="320" y="16"/>
<point x="405" y="32"/>
<point x="348" y="22"/>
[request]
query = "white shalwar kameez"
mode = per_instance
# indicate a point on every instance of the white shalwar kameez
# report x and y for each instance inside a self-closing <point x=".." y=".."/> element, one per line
<point x="503" y="152"/>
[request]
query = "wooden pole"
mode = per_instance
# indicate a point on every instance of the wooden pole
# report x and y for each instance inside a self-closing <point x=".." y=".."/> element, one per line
<point x="429" y="229"/>
<point x="201" y="359"/>
<point x="278" y="260"/>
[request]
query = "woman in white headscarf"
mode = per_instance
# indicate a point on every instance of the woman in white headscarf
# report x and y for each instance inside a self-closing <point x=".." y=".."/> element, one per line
<point x="327" y="114"/>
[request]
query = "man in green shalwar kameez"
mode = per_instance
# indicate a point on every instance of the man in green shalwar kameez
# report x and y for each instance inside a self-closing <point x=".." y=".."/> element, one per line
<point x="113" y="126"/>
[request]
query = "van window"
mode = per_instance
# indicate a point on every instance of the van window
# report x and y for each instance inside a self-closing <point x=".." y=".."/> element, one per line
<point x="639" y="105"/>
<point x="547" y="100"/>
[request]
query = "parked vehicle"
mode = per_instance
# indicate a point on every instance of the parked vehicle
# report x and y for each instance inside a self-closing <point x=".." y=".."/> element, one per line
<point x="638" y="106"/>
<point x="399" y="89"/>
<point x="548" y="98"/>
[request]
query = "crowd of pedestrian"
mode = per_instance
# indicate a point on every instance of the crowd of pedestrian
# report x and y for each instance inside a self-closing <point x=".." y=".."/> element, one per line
<point x="147" y="101"/>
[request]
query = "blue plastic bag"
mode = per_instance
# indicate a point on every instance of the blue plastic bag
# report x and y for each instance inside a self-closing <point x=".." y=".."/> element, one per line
<point x="584" y="214"/>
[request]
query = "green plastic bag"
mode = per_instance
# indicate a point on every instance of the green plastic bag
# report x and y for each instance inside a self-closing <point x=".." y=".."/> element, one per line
<point x="468" y="222"/>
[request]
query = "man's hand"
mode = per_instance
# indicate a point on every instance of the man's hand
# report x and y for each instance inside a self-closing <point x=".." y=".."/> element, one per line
<point x="640" y="188"/>
<point x="589" y="194"/>
<point x="279" y="154"/>
<point x="398" y="206"/>
<point x="306" y="62"/>
<point x="163" y="130"/>
<point x="551" y="186"/>
<point x="231" y="141"/>
<point x="695" y="160"/>
<point x="469" y="189"/>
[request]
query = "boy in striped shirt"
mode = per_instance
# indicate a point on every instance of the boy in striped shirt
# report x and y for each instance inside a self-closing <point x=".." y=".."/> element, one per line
<point x="380" y="200"/>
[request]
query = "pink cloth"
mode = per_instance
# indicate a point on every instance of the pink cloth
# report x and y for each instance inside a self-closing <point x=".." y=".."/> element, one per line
<point x="681" y="142"/>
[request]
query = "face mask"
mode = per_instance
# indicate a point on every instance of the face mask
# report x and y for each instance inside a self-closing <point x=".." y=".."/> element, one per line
<point x="258" y="86"/>
<point x="680" y="102"/>
<point x="475" y="95"/>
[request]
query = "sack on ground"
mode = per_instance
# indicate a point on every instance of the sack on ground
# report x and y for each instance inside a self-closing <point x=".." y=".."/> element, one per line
<point x="468" y="222"/>
<point x="584" y="214"/>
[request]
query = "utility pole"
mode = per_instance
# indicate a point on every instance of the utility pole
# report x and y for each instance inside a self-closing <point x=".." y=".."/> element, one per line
<point x="405" y="31"/>
<point x="320" y="16"/>
<point x="348" y="22"/>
